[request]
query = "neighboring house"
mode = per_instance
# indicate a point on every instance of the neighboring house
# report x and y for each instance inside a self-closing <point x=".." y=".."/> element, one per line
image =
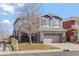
<point x="72" y="26"/>
<point x="45" y="29"/>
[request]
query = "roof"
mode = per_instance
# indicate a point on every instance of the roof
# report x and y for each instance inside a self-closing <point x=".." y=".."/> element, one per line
<point x="51" y="16"/>
<point x="46" y="15"/>
<point x="75" y="28"/>
<point x="75" y="18"/>
<point x="4" y="39"/>
<point x="18" y="18"/>
<point x="21" y="18"/>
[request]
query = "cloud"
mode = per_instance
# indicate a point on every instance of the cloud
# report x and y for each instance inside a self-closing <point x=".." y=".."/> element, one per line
<point x="7" y="8"/>
<point x="20" y="4"/>
<point x="6" y="21"/>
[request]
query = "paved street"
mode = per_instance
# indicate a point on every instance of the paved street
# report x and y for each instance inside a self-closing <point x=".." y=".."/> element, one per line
<point x="65" y="53"/>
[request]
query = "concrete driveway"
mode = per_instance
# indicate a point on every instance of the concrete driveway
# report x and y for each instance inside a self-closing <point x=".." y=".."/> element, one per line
<point x="66" y="46"/>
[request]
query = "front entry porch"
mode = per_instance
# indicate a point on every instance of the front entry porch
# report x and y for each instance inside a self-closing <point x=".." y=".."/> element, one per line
<point x="75" y="37"/>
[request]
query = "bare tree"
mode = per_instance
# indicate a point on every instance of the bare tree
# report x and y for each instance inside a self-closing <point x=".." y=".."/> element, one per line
<point x="28" y="10"/>
<point x="3" y="33"/>
<point x="0" y="30"/>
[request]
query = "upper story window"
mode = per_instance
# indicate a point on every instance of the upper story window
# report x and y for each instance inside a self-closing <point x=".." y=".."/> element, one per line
<point x="45" y="22"/>
<point x="55" y="23"/>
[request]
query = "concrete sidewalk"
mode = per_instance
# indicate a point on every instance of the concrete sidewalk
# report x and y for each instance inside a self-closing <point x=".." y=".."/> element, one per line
<point x="67" y="46"/>
<point x="29" y="51"/>
<point x="62" y="46"/>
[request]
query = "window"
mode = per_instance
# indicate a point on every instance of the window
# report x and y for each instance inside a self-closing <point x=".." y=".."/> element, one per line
<point x="77" y="23"/>
<point x="45" y="22"/>
<point x="55" y="23"/>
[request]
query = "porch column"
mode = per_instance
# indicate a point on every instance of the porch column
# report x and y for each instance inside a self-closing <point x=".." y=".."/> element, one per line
<point x="41" y="36"/>
<point x="19" y="36"/>
<point x="64" y="37"/>
<point x="78" y="36"/>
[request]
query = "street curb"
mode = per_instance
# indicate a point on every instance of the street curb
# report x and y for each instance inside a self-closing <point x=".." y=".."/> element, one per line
<point x="29" y="51"/>
<point x="32" y="51"/>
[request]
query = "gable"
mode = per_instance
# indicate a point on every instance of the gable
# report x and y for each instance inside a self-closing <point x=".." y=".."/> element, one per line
<point x="68" y="24"/>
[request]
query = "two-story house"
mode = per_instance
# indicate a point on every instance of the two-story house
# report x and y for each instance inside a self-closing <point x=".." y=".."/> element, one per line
<point x="45" y="29"/>
<point x="72" y="26"/>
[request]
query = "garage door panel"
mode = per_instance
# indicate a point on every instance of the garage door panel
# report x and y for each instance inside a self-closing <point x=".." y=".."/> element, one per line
<point x="52" y="39"/>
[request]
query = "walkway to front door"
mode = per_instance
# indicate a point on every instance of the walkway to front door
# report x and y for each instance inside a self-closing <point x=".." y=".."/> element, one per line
<point x="64" y="46"/>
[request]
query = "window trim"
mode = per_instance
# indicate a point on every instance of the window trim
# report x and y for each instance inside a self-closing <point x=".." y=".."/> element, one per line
<point x="43" y="24"/>
<point x="53" y="23"/>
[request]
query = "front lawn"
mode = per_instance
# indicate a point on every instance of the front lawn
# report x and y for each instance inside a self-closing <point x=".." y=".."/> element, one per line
<point x="27" y="46"/>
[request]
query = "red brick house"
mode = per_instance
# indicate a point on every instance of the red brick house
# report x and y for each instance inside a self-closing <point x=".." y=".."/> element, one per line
<point x="72" y="26"/>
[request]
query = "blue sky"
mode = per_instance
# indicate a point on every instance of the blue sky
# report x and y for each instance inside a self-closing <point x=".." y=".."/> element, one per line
<point x="7" y="11"/>
<point x="63" y="10"/>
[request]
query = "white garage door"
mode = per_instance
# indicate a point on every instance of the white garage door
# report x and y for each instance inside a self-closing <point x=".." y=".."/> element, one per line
<point x="52" y="39"/>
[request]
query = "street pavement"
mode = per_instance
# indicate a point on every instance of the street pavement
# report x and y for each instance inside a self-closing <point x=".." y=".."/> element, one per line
<point x="64" y="53"/>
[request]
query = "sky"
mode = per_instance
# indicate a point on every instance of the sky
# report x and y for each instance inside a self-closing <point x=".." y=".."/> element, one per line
<point x="64" y="10"/>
